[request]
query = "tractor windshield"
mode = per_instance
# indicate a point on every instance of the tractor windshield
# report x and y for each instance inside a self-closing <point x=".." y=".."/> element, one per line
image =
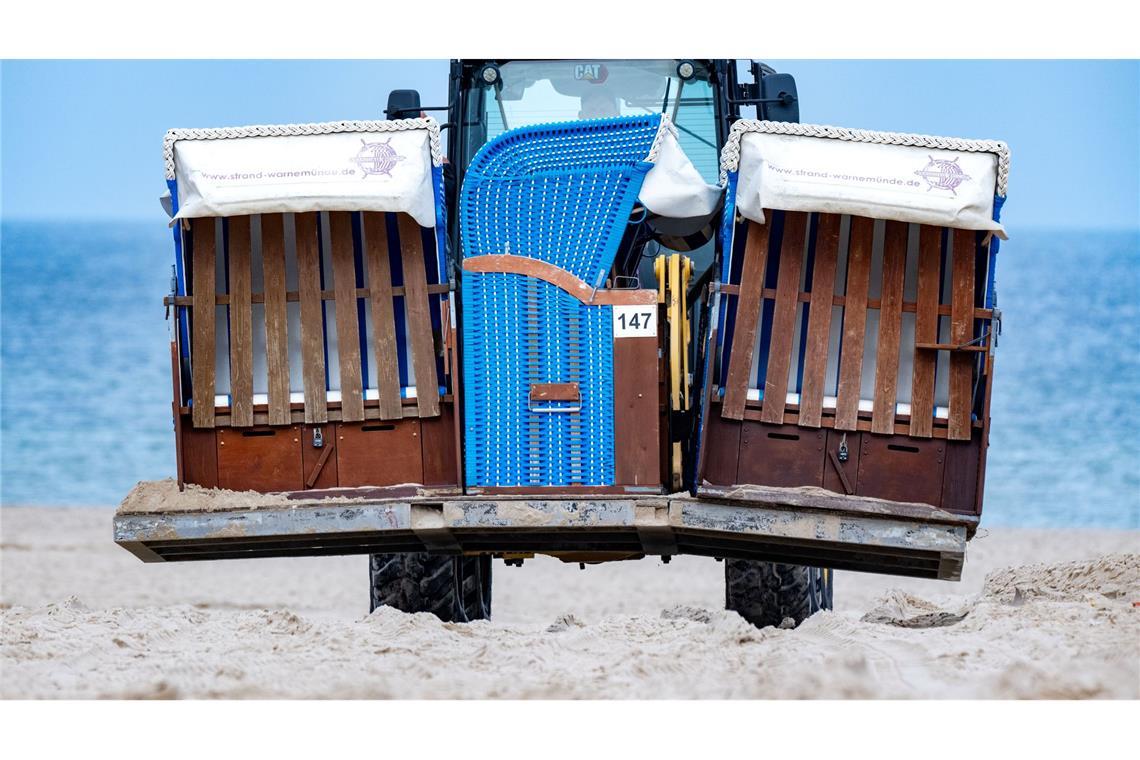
<point x="533" y="92"/>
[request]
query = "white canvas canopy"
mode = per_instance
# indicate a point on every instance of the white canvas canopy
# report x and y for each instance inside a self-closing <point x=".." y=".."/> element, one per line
<point x="337" y="166"/>
<point x="673" y="187"/>
<point x="939" y="181"/>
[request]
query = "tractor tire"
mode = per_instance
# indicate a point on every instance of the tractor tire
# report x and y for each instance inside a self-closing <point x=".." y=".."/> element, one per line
<point x="767" y="593"/>
<point x="454" y="589"/>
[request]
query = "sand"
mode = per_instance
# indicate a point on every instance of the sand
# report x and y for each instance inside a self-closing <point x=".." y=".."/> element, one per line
<point x="150" y="496"/>
<point x="82" y="618"/>
<point x="158" y="496"/>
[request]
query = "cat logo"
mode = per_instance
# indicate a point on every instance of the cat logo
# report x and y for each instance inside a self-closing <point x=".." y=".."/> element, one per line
<point x="595" y="73"/>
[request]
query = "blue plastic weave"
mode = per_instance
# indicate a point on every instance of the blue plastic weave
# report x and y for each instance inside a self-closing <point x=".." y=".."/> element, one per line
<point x="561" y="193"/>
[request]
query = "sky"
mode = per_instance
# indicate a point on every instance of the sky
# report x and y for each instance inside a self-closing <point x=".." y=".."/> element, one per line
<point x="1073" y="126"/>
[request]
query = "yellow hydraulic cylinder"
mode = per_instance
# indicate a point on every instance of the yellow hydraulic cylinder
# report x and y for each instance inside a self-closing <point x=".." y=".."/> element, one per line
<point x="674" y="272"/>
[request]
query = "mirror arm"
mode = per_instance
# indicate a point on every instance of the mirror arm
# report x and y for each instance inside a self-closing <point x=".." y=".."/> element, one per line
<point x="784" y="98"/>
<point x="400" y="111"/>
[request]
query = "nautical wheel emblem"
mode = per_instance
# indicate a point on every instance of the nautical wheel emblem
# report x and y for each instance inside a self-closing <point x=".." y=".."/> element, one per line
<point x="943" y="174"/>
<point x="377" y="158"/>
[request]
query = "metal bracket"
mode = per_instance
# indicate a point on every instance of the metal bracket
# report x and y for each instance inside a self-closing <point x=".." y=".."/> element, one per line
<point x="173" y="290"/>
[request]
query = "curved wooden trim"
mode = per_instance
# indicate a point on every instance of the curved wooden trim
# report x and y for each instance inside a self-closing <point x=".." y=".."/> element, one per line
<point x="559" y="277"/>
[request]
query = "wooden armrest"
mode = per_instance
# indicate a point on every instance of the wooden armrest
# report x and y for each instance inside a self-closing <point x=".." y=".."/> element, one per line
<point x="951" y="347"/>
<point x="541" y="270"/>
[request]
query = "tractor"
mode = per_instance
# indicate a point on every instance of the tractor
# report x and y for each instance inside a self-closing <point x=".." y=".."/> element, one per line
<point x="596" y="309"/>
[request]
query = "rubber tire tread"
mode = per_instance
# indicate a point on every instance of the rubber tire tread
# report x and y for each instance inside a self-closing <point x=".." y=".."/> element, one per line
<point x="765" y="593"/>
<point x="421" y="582"/>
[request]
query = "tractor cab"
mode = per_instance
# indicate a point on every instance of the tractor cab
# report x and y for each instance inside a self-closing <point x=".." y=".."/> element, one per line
<point x="701" y="98"/>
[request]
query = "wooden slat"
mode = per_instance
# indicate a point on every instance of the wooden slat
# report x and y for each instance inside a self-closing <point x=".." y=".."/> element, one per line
<point x="784" y="316"/>
<point x="819" y="320"/>
<point x="890" y="327"/>
<point x="747" y="321"/>
<point x="854" y="323"/>
<point x="276" y="317"/>
<point x="312" y="319"/>
<point x="241" y="323"/>
<point x="292" y="296"/>
<point x="202" y="341"/>
<point x="347" y="326"/>
<point x="961" y="327"/>
<point x="418" y="311"/>
<point x="383" y="315"/>
<point x="908" y="307"/>
<point x="926" y="330"/>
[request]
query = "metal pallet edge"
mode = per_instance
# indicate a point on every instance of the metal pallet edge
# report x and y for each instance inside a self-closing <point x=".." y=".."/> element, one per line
<point x="898" y="544"/>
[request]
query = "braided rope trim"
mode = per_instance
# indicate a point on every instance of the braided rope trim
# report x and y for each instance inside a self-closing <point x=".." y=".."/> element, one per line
<point x="288" y="130"/>
<point x="665" y="127"/>
<point x="730" y="155"/>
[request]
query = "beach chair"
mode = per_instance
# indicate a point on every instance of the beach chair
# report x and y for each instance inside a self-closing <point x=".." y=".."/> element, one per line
<point x="850" y="345"/>
<point x="314" y="331"/>
<point x="563" y="382"/>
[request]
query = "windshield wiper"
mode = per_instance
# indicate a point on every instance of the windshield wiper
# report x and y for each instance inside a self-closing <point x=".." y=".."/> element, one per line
<point x="499" y="99"/>
<point x="677" y="100"/>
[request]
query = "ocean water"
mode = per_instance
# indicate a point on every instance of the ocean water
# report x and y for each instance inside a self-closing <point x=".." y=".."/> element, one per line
<point x="85" y="371"/>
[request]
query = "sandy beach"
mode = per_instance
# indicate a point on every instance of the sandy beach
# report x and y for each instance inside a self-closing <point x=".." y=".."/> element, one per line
<point x="1057" y="617"/>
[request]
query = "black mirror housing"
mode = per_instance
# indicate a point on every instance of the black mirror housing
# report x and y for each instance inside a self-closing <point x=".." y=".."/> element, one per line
<point x="780" y="101"/>
<point x="403" y="104"/>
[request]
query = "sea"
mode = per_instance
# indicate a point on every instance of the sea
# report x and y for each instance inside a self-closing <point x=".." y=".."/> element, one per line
<point x="85" y="388"/>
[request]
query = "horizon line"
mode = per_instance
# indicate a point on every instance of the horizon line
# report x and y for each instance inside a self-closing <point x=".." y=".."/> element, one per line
<point x="164" y="220"/>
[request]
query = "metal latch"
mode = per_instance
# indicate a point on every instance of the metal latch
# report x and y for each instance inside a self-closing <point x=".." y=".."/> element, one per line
<point x="318" y="438"/>
<point x="843" y="448"/>
<point x="173" y="289"/>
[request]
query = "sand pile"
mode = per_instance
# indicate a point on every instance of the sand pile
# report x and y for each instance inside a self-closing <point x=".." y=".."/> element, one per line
<point x="82" y="618"/>
<point x="1114" y="576"/>
<point x="157" y="496"/>
<point x="149" y="496"/>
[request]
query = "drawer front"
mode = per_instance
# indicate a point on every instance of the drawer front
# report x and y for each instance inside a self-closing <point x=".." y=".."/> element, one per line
<point x="780" y="455"/>
<point x="901" y="468"/>
<point x="260" y="459"/>
<point x="379" y="453"/>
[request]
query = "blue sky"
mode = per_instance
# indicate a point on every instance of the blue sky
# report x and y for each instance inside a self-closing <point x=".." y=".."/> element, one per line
<point x="1073" y="126"/>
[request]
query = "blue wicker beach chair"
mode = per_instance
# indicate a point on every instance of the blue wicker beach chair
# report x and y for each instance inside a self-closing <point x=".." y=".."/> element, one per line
<point x="559" y="195"/>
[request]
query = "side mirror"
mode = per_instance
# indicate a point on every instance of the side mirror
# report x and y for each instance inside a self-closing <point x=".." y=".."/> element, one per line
<point x="780" y="101"/>
<point x="403" y="104"/>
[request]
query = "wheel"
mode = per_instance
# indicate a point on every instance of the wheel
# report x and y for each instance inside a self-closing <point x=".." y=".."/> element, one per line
<point x="765" y="593"/>
<point x="454" y="589"/>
